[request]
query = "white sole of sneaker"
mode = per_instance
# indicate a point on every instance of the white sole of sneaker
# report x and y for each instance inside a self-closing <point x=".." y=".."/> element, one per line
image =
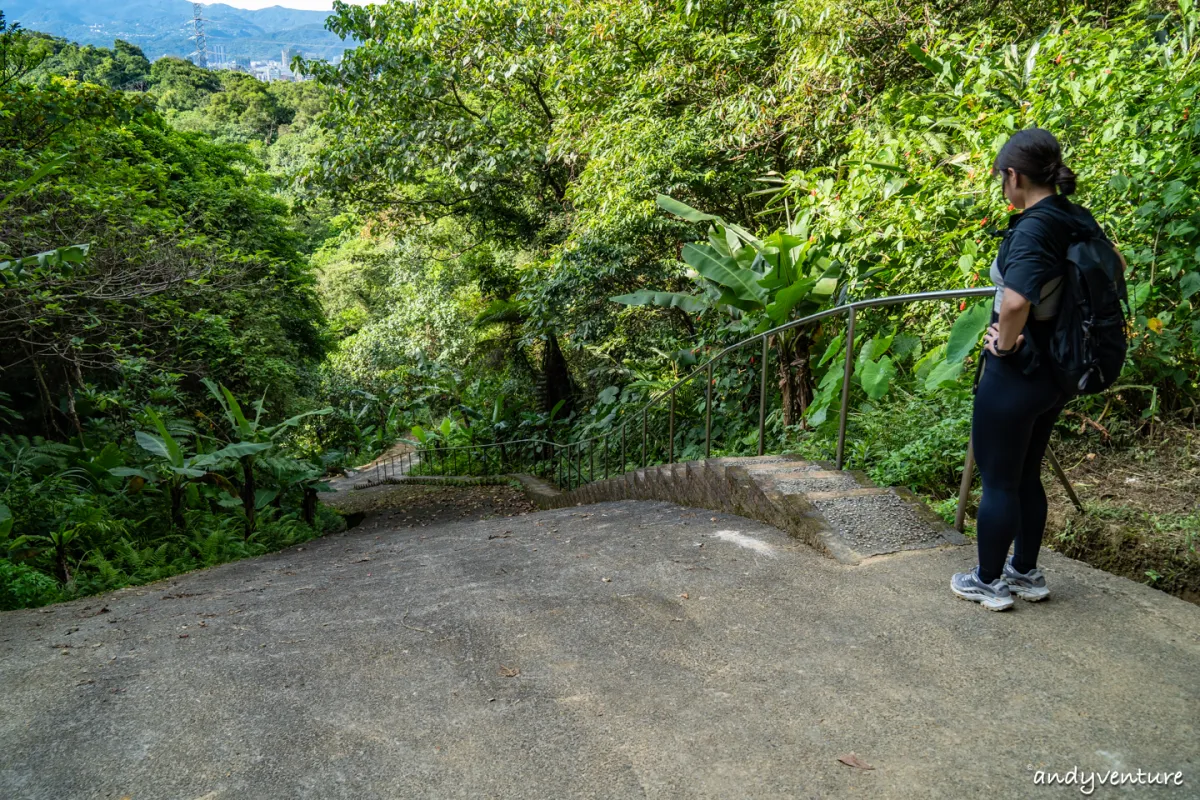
<point x="1032" y="595"/>
<point x="990" y="603"/>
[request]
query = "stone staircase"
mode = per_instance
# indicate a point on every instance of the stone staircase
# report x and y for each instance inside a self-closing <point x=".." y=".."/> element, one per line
<point x="840" y="513"/>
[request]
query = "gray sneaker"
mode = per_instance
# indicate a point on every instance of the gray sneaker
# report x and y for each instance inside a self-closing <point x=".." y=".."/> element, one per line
<point x="993" y="596"/>
<point x="1029" y="586"/>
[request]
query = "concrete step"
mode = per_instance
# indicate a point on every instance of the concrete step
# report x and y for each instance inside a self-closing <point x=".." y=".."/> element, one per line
<point x="838" y="512"/>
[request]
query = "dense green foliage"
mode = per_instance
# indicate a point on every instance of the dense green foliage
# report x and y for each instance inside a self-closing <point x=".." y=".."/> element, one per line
<point x="523" y="219"/>
<point x="167" y="261"/>
<point x="546" y="129"/>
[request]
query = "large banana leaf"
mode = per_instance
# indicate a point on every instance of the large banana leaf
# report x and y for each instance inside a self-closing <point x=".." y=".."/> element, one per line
<point x="726" y="272"/>
<point x="786" y="299"/>
<point x="231" y="452"/>
<point x="728" y="298"/>
<point x="784" y="253"/>
<point x="162" y="445"/>
<point x="233" y="410"/>
<point x="673" y="206"/>
<point x="291" y="422"/>
<point x="647" y="297"/>
<point x="679" y="209"/>
<point x="828" y="282"/>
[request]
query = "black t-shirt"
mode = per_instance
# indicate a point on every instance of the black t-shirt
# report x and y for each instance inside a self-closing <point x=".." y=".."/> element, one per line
<point x="1032" y="259"/>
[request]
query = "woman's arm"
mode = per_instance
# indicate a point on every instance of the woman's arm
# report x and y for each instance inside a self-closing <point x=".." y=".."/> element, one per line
<point x="1006" y="335"/>
<point x="1014" y="311"/>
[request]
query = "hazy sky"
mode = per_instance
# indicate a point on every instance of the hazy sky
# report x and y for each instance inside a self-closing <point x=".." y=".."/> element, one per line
<point x="312" y="5"/>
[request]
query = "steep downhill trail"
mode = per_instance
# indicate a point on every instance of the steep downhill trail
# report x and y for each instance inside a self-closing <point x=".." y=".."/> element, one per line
<point x="616" y="650"/>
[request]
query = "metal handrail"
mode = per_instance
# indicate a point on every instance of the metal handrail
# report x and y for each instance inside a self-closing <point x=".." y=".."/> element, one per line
<point x="849" y="309"/>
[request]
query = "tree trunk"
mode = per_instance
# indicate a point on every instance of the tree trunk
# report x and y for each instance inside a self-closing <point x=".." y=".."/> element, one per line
<point x="795" y="376"/>
<point x="310" y="505"/>
<point x="62" y="570"/>
<point x="177" y="519"/>
<point x="556" y="378"/>
<point x="71" y="411"/>
<point x="248" y="494"/>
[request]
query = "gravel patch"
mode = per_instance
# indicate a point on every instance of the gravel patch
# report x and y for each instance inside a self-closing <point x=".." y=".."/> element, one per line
<point x="781" y="464"/>
<point x="801" y="484"/>
<point x="877" y="524"/>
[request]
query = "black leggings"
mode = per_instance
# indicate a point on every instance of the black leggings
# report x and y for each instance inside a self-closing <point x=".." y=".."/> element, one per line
<point x="1014" y="415"/>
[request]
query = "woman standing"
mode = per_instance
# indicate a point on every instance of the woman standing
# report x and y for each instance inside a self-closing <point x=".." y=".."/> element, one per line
<point x="1018" y="400"/>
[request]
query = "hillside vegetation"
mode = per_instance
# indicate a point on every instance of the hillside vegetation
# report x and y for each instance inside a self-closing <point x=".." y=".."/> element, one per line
<point x="507" y="219"/>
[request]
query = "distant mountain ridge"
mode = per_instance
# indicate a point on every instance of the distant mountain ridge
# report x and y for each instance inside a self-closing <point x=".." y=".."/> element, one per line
<point x="164" y="27"/>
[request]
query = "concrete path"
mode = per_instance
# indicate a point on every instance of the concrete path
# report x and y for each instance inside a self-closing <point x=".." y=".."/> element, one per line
<point x="620" y="650"/>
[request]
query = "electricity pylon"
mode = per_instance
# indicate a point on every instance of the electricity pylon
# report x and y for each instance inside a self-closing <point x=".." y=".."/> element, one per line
<point x="201" y="46"/>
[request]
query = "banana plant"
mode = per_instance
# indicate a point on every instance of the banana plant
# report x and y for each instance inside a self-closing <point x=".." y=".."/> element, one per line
<point x="289" y="473"/>
<point x="257" y="438"/>
<point x="760" y="284"/>
<point x="177" y="471"/>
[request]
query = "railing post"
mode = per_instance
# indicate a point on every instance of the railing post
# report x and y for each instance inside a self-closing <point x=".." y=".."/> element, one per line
<point x="671" y="434"/>
<point x="762" y="400"/>
<point x="624" y="426"/>
<point x="708" y="413"/>
<point x="591" y="461"/>
<point x="964" y="487"/>
<point x="645" y="411"/>
<point x="606" y="456"/>
<point x="579" y="465"/>
<point x="841" y="445"/>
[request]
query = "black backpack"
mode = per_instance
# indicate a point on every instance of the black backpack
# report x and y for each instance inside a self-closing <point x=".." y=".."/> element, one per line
<point x="1086" y="350"/>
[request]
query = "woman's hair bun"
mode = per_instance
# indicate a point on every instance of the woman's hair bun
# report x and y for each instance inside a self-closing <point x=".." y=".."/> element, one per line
<point x="1064" y="179"/>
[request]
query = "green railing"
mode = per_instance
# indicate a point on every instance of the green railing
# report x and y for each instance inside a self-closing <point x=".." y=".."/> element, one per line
<point x="565" y="463"/>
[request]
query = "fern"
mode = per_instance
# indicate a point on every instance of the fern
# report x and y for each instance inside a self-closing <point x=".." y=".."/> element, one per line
<point x="208" y="548"/>
<point x="128" y="555"/>
<point x="110" y="576"/>
<point x="158" y="557"/>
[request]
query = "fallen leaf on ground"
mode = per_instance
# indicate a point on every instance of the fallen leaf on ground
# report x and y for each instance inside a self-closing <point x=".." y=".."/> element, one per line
<point x="509" y="672"/>
<point x="852" y="760"/>
<point x="684" y="596"/>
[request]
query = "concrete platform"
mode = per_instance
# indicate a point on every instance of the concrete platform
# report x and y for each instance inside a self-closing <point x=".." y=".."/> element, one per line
<point x="840" y="513"/>
<point x="620" y="650"/>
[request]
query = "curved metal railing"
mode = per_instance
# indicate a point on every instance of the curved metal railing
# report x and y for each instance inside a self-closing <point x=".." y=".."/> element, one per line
<point x="552" y="459"/>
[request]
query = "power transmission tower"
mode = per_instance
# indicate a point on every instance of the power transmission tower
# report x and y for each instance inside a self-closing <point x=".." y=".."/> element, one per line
<point x="201" y="45"/>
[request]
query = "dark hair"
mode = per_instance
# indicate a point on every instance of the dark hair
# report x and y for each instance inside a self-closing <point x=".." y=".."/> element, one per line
<point x="1035" y="153"/>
